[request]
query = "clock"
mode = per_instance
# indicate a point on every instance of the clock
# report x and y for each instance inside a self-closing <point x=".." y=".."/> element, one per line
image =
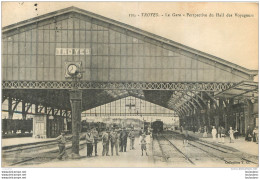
<point x="72" y="69"/>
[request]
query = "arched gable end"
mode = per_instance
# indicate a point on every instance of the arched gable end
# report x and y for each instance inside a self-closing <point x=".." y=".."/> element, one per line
<point x="37" y="49"/>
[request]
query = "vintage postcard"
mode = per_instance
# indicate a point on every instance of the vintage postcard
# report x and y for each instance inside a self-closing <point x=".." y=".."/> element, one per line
<point x="129" y="84"/>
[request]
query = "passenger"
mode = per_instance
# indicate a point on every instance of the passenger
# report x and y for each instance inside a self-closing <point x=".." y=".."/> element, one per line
<point x="89" y="141"/>
<point x="108" y="132"/>
<point x="148" y="137"/>
<point x="123" y="138"/>
<point x="119" y="140"/>
<point x="194" y="129"/>
<point x="185" y="131"/>
<point x="199" y="130"/>
<point x="62" y="148"/>
<point x="255" y="133"/>
<point x="131" y="136"/>
<point x="142" y="142"/>
<point x="205" y="132"/>
<point x="151" y="135"/>
<point x="236" y="134"/>
<point x="214" y="133"/>
<point x="104" y="143"/>
<point x="141" y="131"/>
<point x="114" y="139"/>
<point x="248" y="134"/>
<point x="231" y="135"/>
<point x="95" y="135"/>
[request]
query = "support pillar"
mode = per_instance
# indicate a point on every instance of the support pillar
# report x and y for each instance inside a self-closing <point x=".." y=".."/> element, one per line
<point x="249" y="120"/>
<point x="198" y="123"/>
<point x="10" y="109"/>
<point x="46" y="110"/>
<point x="23" y="110"/>
<point x="75" y="101"/>
<point x="221" y="112"/>
<point x="52" y="112"/>
<point x="67" y="120"/>
<point x="230" y="117"/>
<point x="36" y="108"/>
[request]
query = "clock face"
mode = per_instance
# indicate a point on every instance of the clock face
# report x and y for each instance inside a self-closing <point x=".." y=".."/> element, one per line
<point x="72" y="69"/>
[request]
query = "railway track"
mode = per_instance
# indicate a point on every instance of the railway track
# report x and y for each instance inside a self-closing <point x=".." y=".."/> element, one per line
<point x="221" y="154"/>
<point x="170" y="151"/>
<point x="197" y="152"/>
<point x="43" y="157"/>
<point x="34" y="154"/>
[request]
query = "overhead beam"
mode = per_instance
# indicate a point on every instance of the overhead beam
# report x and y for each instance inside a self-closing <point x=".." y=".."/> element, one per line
<point x="4" y="97"/>
<point x="212" y="99"/>
<point x="193" y="98"/>
<point x="176" y="86"/>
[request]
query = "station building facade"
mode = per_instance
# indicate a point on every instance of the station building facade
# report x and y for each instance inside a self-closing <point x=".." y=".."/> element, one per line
<point x="117" y="57"/>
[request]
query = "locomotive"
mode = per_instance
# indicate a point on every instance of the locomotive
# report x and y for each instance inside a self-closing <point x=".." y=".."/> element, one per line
<point x="157" y="127"/>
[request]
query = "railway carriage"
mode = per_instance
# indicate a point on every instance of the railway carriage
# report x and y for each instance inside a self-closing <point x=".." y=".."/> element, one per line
<point x="157" y="127"/>
<point x="15" y="125"/>
<point x="100" y="126"/>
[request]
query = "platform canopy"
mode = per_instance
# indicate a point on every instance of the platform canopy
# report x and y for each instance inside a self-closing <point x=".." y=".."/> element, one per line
<point x="117" y="60"/>
<point x="244" y="89"/>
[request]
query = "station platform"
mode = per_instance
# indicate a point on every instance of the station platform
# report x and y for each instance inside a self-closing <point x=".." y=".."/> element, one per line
<point x="130" y="158"/>
<point x="239" y="144"/>
<point x="22" y="141"/>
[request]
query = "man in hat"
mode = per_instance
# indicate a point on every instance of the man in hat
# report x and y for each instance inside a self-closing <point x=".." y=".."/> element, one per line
<point x="143" y="142"/>
<point x="114" y="141"/>
<point x="141" y="131"/>
<point x="108" y="132"/>
<point x="105" y="143"/>
<point x="89" y="141"/>
<point x="120" y="142"/>
<point x="62" y="148"/>
<point x="123" y="138"/>
<point x="131" y="136"/>
<point x="95" y="135"/>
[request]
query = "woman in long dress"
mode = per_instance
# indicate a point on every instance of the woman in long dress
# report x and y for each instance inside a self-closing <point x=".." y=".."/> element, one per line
<point x="231" y="135"/>
<point x="214" y="133"/>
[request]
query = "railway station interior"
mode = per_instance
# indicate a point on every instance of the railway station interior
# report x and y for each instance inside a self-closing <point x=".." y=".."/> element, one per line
<point x="72" y="70"/>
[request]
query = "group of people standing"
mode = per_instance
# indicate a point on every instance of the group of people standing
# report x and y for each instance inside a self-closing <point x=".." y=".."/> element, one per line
<point x="220" y="134"/>
<point x="233" y="134"/>
<point x="115" y="138"/>
<point x="252" y="135"/>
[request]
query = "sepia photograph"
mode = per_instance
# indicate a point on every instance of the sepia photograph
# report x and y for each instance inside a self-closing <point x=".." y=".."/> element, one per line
<point x="129" y="84"/>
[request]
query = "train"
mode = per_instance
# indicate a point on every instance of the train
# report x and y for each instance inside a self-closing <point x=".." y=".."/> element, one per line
<point x="100" y="126"/>
<point x="15" y="125"/>
<point x="157" y="127"/>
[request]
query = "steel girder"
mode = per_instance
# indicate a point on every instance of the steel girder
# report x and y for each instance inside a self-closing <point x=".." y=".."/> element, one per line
<point x="177" y="86"/>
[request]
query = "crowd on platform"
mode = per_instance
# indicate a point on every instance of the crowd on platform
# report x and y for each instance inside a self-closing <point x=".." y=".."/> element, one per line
<point x="251" y="135"/>
<point x="114" y="140"/>
<point x="219" y="134"/>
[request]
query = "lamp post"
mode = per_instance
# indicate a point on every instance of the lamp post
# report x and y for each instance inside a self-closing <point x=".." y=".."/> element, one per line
<point x="72" y="71"/>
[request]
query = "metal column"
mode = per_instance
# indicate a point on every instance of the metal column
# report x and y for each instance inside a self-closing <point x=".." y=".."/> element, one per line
<point x="76" y="101"/>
